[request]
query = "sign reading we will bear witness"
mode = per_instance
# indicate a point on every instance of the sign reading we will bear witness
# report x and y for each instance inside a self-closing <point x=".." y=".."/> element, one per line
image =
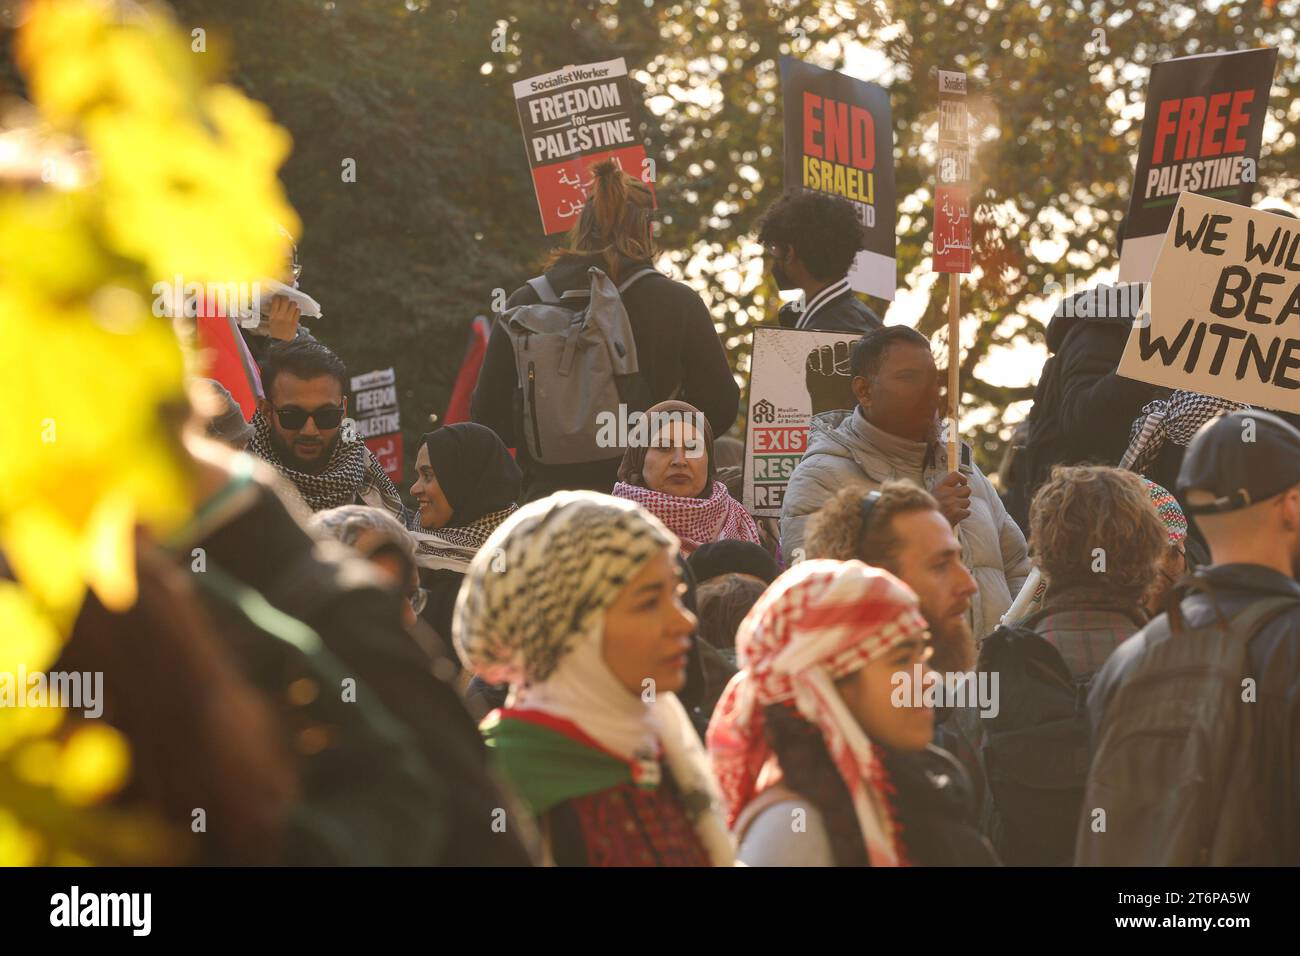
<point x="1223" y="313"/>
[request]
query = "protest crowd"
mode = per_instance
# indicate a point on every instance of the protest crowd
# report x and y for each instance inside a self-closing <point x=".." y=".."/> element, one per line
<point x="567" y="633"/>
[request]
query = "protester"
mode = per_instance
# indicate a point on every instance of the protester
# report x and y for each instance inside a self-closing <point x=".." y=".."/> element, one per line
<point x="393" y="767"/>
<point x="297" y="430"/>
<point x="674" y="479"/>
<point x="225" y="422"/>
<point x="466" y="484"/>
<point x="582" y="616"/>
<point x="375" y="535"/>
<point x="1082" y="406"/>
<point x="722" y="604"/>
<point x="892" y="435"/>
<point x="900" y="529"/>
<point x="677" y="346"/>
<point x="730" y="556"/>
<point x="230" y="756"/>
<point x="282" y="322"/>
<point x="810" y="240"/>
<point x="808" y="731"/>
<point x="1098" y="540"/>
<point x="1196" y="733"/>
<point x="1172" y="564"/>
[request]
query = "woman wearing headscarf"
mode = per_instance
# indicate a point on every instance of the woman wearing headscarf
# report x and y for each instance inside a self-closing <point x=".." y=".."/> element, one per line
<point x="466" y="484"/>
<point x="672" y="476"/>
<point x="812" y="731"/>
<point x="575" y="602"/>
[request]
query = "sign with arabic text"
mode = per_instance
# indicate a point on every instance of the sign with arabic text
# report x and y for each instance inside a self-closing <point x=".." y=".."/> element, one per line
<point x="573" y="118"/>
<point x="952" y="252"/>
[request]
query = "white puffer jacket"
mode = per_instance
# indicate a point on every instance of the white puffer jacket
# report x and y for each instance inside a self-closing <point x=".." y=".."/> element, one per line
<point x="845" y="451"/>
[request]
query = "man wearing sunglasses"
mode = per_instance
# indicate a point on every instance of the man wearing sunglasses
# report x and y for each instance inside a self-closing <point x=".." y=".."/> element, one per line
<point x="298" y="429"/>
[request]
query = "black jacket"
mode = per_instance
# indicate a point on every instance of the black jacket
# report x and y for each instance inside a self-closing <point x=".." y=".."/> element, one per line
<point x="678" y="350"/>
<point x="359" y="622"/>
<point x="934" y="807"/>
<point x="1082" y="411"/>
<point x="1274" y="655"/>
<point x="841" y="311"/>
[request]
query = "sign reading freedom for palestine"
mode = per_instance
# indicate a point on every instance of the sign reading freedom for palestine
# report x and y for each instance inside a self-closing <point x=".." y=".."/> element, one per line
<point x="1224" y="307"/>
<point x="1202" y="132"/>
<point x="573" y="118"/>
<point x="839" y="139"/>
<point x="374" y="408"/>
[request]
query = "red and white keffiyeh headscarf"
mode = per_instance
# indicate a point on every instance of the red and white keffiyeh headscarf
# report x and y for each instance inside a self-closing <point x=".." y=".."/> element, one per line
<point x="695" y="521"/>
<point x="818" y="622"/>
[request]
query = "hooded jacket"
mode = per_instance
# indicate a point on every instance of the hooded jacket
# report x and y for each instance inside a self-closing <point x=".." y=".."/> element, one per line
<point x="1083" y="410"/>
<point x="845" y="451"/>
<point x="678" y="351"/>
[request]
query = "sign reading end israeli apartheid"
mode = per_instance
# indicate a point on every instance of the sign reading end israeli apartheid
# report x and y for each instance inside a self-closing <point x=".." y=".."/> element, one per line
<point x="1224" y="307"/>
<point x="572" y="119"/>
<point x="1201" y="133"/>
<point x="794" y="374"/>
<point x="839" y="139"/>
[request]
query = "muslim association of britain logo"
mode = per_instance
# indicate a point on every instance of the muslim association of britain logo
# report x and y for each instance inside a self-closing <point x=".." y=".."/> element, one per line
<point x="764" y="411"/>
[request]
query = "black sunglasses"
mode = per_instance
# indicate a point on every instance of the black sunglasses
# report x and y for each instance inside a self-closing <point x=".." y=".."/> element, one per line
<point x="293" y="418"/>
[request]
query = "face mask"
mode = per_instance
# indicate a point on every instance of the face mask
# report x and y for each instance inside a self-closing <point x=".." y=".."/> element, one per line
<point x="782" y="279"/>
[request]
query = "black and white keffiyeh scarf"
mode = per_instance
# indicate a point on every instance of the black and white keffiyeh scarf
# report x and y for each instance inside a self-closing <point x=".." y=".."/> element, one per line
<point x="351" y="474"/>
<point x="453" y="548"/>
<point x="1174" y="419"/>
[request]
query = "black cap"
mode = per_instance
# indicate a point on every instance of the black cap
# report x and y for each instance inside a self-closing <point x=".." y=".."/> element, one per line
<point x="1241" y="458"/>
<point x="730" y="556"/>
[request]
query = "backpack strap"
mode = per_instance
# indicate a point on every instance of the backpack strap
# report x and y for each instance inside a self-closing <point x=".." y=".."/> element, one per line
<point x="622" y="286"/>
<point x="545" y="291"/>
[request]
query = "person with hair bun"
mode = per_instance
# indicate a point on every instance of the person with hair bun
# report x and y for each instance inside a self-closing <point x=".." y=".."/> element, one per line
<point x="678" y="349"/>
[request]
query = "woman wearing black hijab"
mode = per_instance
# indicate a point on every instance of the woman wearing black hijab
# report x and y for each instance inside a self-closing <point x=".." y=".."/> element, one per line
<point x="466" y="484"/>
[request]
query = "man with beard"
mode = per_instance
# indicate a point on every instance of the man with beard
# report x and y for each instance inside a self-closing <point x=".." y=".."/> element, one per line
<point x="810" y="241"/>
<point x="901" y="528"/>
<point x="298" y="429"/>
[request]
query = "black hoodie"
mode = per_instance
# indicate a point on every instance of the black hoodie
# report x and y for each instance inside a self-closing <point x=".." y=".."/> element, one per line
<point x="678" y="350"/>
<point x="1083" y="411"/>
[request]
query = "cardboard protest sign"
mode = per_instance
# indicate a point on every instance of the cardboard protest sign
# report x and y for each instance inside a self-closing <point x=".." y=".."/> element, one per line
<point x="839" y="139"/>
<point x="952" y="252"/>
<point x="794" y="374"/>
<point x="1201" y="134"/>
<point x="573" y="118"/>
<point x="1224" y="307"/>
<point x="378" y="421"/>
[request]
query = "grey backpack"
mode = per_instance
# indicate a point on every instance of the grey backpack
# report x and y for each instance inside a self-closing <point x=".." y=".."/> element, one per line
<point x="576" y="359"/>
<point x="1171" y="767"/>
